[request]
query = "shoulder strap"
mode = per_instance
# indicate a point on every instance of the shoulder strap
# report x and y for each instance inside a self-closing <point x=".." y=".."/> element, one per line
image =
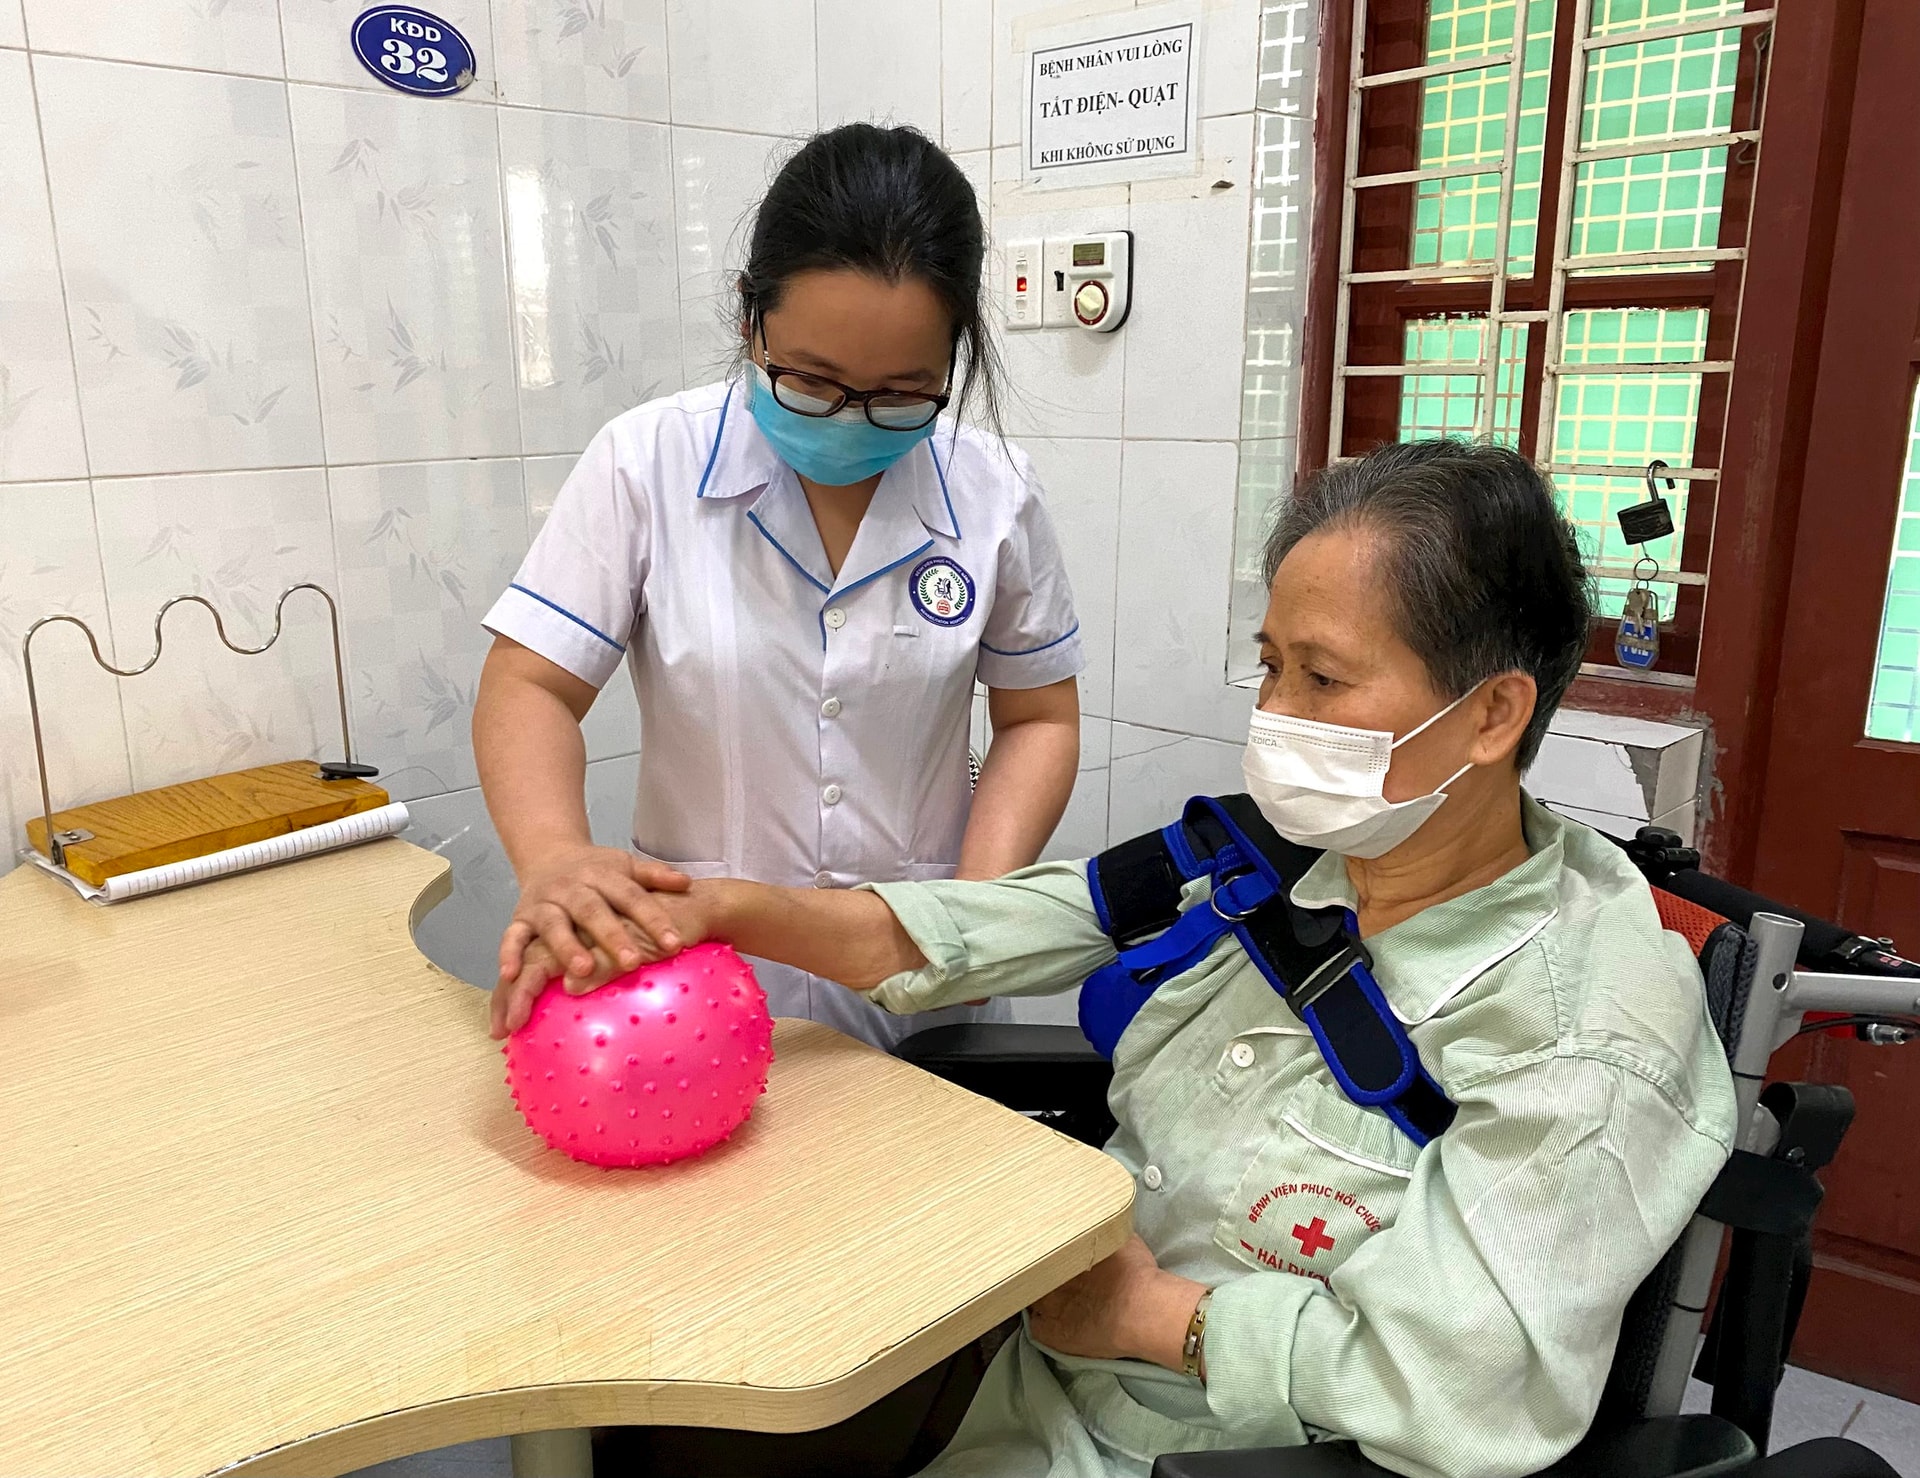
<point x="1312" y="957"/>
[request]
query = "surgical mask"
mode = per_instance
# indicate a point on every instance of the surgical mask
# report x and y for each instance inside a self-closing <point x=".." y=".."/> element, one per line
<point x="831" y="450"/>
<point x="1319" y="785"/>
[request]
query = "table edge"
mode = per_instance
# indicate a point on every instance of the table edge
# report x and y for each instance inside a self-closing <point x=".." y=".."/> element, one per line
<point x="516" y="1409"/>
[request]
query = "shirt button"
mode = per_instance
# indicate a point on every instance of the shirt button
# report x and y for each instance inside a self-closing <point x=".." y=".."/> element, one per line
<point x="830" y="709"/>
<point x="831" y="795"/>
<point x="1151" y="1177"/>
<point x="1242" y="1055"/>
<point x="823" y="880"/>
<point x="835" y="618"/>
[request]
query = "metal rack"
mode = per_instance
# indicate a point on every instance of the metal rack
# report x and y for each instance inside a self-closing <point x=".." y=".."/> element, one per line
<point x="57" y="841"/>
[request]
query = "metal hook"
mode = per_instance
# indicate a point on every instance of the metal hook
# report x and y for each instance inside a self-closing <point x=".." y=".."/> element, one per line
<point x="55" y="846"/>
<point x="1657" y="469"/>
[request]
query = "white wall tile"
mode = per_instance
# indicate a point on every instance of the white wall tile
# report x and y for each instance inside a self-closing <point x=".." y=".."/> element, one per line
<point x="592" y="264"/>
<point x="612" y="725"/>
<point x="1186" y="333"/>
<point x="1081" y="480"/>
<point x="1176" y="569"/>
<point x="423" y="547"/>
<point x="50" y="564"/>
<point x="462" y="934"/>
<point x="1064" y="383"/>
<point x="719" y="179"/>
<point x="879" y="63"/>
<point x="1082" y="831"/>
<point x="977" y="166"/>
<point x="39" y="406"/>
<point x="746" y="65"/>
<point x="587" y="56"/>
<point x="1229" y="56"/>
<point x="230" y="36"/>
<point x="191" y="331"/>
<point x="1155" y="773"/>
<point x="966" y="74"/>
<point x="239" y="539"/>
<point x="13" y="28"/>
<point x="401" y="198"/>
<point x="319" y="45"/>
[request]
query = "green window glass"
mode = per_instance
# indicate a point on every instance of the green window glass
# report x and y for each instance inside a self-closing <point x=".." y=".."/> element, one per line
<point x="1893" y="712"/>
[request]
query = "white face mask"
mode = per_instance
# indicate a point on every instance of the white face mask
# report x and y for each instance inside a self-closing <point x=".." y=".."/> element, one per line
<point x="1319" y="785"/>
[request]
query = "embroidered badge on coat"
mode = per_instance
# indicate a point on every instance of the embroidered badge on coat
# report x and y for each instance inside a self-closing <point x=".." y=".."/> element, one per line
<point x="941" y="591"/>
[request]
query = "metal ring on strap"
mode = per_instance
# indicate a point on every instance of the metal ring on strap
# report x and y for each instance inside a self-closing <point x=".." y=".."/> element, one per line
<point x="1213" y="902"/>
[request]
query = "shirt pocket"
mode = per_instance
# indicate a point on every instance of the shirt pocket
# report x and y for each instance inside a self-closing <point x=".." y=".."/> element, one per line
<point x="1329" y="1176"/>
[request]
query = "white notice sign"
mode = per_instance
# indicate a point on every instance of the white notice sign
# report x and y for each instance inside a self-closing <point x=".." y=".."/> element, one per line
<point x="1119" y="107"/>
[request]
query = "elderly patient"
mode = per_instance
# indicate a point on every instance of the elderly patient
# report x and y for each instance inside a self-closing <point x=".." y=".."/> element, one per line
<point x="1453" y="1307"/>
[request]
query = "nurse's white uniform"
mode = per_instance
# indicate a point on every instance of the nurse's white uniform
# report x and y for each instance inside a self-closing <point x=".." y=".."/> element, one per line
<point x="798" y="728"/>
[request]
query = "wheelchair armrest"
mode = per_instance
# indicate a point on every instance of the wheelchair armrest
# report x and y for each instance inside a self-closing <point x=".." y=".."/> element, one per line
<point x="1655" y="1447"/>
<point x="1047" y="1071"/>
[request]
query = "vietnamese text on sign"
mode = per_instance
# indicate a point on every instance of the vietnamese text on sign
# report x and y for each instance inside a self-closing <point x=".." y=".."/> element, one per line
<point x="1114" y="99"/>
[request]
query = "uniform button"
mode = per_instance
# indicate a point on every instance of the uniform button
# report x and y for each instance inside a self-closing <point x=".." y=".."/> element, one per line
<point x="831" y="795"/>
<point x="823" y="880"/>
<point x="1242" y="1055"/>
<point x="1151" y="1177"/>
<point x="835" y="617"/>
<point x="830" y="709"/>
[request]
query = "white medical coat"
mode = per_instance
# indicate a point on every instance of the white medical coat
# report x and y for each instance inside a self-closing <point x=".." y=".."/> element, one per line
<point x="798" y="727"/>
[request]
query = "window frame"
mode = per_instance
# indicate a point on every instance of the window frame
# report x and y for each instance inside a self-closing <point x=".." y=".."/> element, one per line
<point x="1379" y="312"/>
<point x="1764" y="468"/>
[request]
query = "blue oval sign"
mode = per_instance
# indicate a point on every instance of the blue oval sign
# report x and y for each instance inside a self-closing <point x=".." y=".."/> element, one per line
<point x="412" y="50"/>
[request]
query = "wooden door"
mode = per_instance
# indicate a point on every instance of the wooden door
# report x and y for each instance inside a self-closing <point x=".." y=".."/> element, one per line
<point x="1839" y="828"/>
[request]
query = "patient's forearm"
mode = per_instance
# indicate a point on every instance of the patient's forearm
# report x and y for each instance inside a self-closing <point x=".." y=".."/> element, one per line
<point x="851" y="937"/>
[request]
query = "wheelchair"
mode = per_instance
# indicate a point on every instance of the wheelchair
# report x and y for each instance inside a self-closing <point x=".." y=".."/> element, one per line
<point x="1771" y="973"/>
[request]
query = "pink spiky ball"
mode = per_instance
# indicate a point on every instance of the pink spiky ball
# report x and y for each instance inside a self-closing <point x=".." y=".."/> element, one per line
<point x="662" y="1063"/>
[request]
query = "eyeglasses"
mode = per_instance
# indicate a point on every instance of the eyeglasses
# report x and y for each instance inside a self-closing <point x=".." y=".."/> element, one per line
<point x="815" y="395"/>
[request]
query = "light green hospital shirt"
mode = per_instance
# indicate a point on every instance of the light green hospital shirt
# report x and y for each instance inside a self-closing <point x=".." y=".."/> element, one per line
<point x="1455" y="1308"/>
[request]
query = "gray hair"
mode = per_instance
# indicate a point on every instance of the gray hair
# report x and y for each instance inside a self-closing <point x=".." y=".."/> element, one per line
<point x="1483" y="574"/>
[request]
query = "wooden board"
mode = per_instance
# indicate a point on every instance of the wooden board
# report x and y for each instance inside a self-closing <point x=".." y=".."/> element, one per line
<point x="192" y="819"/>
<point x="267" y="1203"/>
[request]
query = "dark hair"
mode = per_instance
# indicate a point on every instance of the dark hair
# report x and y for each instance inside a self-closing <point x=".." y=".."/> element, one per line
<point x="890" y="202"/>
<point x="1483" y="573"/>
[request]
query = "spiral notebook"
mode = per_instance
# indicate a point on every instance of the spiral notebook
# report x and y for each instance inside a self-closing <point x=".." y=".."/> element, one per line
<point x="362" y="826"/>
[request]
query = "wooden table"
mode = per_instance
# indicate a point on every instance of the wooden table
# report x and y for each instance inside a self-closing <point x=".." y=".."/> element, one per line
<point x="264" y="1203"/>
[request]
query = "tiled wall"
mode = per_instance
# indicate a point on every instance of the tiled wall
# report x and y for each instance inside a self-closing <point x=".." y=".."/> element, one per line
<point x="263" y="320"/>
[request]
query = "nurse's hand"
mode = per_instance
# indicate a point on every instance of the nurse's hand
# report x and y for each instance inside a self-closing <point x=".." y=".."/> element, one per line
<point x="601" y="893"/>
<point x="1126" y="1308"/>
<point x="513" y="999"/>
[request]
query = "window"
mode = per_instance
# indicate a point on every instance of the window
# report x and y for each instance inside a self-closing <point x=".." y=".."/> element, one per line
<point x="1894" y="710"/>
<point x="1586" y="190"/>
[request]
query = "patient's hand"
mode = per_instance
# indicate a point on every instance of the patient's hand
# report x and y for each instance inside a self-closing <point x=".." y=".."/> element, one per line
<point x="1126" y="1308"/>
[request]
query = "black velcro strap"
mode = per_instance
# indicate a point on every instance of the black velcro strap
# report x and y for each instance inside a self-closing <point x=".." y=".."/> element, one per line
<point x="1369" y="1055"/>
<point x="1427" y="1108"/>
<point x="1140" y="887"/>
<point x="1755" y="1194"/>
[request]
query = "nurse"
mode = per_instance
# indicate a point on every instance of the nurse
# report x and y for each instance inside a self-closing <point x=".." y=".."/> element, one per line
<point x="805" y="568"/>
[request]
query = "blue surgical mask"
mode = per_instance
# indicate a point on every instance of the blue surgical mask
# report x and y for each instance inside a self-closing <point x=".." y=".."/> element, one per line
<point x="831" y="450"/>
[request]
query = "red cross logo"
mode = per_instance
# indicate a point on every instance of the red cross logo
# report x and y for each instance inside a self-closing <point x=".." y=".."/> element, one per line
<point x="1313" y="1237"/>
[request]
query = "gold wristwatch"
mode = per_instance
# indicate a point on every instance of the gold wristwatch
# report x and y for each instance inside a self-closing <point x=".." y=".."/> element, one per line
<point x="1193" y="1348"/>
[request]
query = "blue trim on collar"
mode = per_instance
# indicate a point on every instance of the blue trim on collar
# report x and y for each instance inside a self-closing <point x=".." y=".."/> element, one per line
<point x="550" y="605"/>
<point x="1031" y="650"/>
<point x="941" y="472"/>
<point x="754" y="519"/>
<point x="714" y="454"/>
<point x="869" y="579"/>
